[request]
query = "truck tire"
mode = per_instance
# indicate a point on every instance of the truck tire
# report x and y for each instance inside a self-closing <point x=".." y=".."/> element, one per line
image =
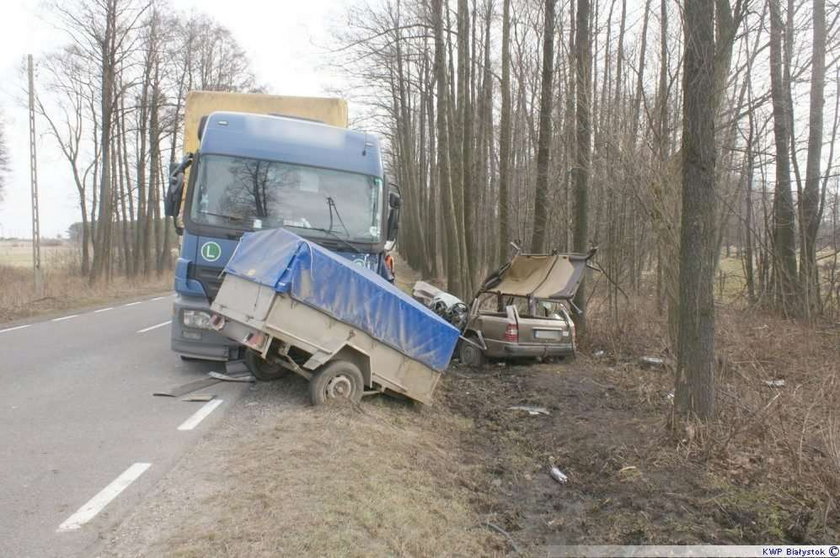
<point x="469" y="354"/>
<point x="263" y="370"/>
<point x="337" y="380"/>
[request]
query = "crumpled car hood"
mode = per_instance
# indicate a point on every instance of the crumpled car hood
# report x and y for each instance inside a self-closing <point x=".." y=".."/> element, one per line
<point x="541" y="276"/>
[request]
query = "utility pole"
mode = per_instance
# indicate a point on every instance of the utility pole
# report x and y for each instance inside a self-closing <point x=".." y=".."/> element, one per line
<point x="33" y="172"/>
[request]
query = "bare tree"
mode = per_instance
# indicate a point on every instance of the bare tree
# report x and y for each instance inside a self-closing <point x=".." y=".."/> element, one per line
<point x="810" y="206"/>
<point x="580" y="172"/>
<point x="544" y="142"/>
<point x="695" y="383"/>
<point x="66" y="75"/>
<point x="504" y="138"/>
<point x="784" y="227"/>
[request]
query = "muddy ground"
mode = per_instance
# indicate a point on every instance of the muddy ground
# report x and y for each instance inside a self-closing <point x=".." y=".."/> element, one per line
<point x="629" y="481"/>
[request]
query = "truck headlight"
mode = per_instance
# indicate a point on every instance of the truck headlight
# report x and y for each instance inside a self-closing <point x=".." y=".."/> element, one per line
<point x="196" y="319"/>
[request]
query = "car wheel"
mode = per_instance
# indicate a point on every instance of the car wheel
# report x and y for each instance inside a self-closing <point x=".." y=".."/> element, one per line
<point x="469" y="354"/>
<point x="340" y="380"/>
<point x="263" y="370"/>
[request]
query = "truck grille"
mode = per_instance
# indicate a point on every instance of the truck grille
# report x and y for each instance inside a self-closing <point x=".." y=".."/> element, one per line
<point x="209" y="277"/>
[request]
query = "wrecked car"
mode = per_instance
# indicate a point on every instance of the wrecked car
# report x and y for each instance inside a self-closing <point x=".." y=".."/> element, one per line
<point x="521" y="310"/>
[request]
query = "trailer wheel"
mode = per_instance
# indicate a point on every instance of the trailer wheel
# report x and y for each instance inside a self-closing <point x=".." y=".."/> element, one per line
<point x="470" y="355"/>
<point x="338" y="380"/>
<point x="263" y="370"/>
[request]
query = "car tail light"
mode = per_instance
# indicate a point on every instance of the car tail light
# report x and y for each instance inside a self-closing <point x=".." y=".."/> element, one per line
<point x="512" y="333"/>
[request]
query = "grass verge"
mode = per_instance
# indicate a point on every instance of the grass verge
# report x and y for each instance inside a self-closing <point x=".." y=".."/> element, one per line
<point x="65" y="290"/>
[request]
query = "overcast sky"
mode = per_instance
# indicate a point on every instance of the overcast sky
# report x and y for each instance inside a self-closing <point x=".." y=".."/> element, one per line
<point x="284" y="40"/>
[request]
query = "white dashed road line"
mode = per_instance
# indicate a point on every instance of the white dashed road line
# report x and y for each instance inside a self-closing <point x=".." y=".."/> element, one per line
<point x="103" y="310"/>
<point x="157" y="298"/>
<point x="105" y="496"/>
<point x="62" y="318"/>
<point x="150" y="328"/>
<point x="14" y="328"/>
<point x="200" y="415"/>
<point x="133" y="303"/>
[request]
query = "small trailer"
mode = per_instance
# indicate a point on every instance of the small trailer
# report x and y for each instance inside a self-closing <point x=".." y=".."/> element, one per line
<point x="299" y="307"/>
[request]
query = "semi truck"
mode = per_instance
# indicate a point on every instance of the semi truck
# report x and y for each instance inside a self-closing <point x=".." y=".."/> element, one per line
<point x="255" y="162"/>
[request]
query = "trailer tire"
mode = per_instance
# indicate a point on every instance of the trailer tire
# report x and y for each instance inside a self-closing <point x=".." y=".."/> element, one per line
<point x="263" y="370"/>
<point x="337" y="380"/>
<point x="469" y="354"/>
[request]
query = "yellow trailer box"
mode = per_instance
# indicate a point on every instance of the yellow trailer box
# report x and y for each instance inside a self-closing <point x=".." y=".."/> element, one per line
<point x="201" y="103"/>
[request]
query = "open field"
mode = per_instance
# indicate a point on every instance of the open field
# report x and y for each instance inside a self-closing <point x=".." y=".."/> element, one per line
<point x="64" y="288"/>
<point x="18" y="253"/>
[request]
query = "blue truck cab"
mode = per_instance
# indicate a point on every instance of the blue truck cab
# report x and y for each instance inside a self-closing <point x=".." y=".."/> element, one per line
<point x="253" y="172"/>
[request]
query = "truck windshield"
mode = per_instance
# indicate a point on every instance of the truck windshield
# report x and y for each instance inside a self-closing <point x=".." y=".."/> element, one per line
<point x="249" y="194"/>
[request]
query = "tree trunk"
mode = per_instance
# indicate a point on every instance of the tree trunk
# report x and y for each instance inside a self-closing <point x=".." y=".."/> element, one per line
<point x="784" y="245"/>
<point x="695" y="382"/>
<point x="580" y="172"/>
<point x="810" y="204"/>
<point x="504" y="139"/>
<point x="453" y="269"/>
<point x="544" y="141"/>
<point x="102" y="239"/>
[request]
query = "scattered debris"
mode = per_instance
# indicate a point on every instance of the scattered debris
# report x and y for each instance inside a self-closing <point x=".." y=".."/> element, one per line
<point x="196" y="385"/>
<point x="200" y="397"/>
<point x="774" y="383"/>
<point x="670" y="397"/>
<point x="558" y="475"/>
<point x="530" y="410"/>
<point x="226" y="378"/>
<point x="600" y="353"/>
<point x="501" y="364"/>
<point x="652" y="362"/>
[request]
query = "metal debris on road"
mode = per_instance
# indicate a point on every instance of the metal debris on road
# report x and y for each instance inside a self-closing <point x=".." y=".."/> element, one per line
<point x="200" y="397"/>
<point x="190" y="387"/>
<point x="226" y="378"/>
<point x="530" y="410"/>
<point x="558" y="475"/>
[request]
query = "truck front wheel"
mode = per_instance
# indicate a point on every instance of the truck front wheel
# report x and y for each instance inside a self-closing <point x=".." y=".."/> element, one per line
<point x="263" y="370"/>
<point x="338" y="380"/>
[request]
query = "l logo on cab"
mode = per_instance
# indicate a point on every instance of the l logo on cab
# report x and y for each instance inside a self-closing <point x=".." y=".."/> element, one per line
<point x="211" y="251"/>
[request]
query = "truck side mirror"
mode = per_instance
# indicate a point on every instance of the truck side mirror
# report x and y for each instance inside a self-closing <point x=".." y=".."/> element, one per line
<point x="175" y="193"/>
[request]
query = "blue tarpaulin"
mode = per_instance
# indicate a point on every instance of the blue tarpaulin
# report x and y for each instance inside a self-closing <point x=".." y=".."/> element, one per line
<point x="350" y="293"/>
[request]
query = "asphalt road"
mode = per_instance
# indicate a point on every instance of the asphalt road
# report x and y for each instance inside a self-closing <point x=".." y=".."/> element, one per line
<point x="82" y="439"/>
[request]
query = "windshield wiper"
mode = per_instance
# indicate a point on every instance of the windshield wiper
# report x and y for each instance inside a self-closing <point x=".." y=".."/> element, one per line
<point x="332" y="207"/>
<point x="329" y="232"/>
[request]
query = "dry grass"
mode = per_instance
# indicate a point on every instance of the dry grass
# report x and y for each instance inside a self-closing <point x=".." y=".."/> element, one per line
<point x="65" y="289"/>
<point x="780" y="440"/>
<point x="380" y="479"/>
